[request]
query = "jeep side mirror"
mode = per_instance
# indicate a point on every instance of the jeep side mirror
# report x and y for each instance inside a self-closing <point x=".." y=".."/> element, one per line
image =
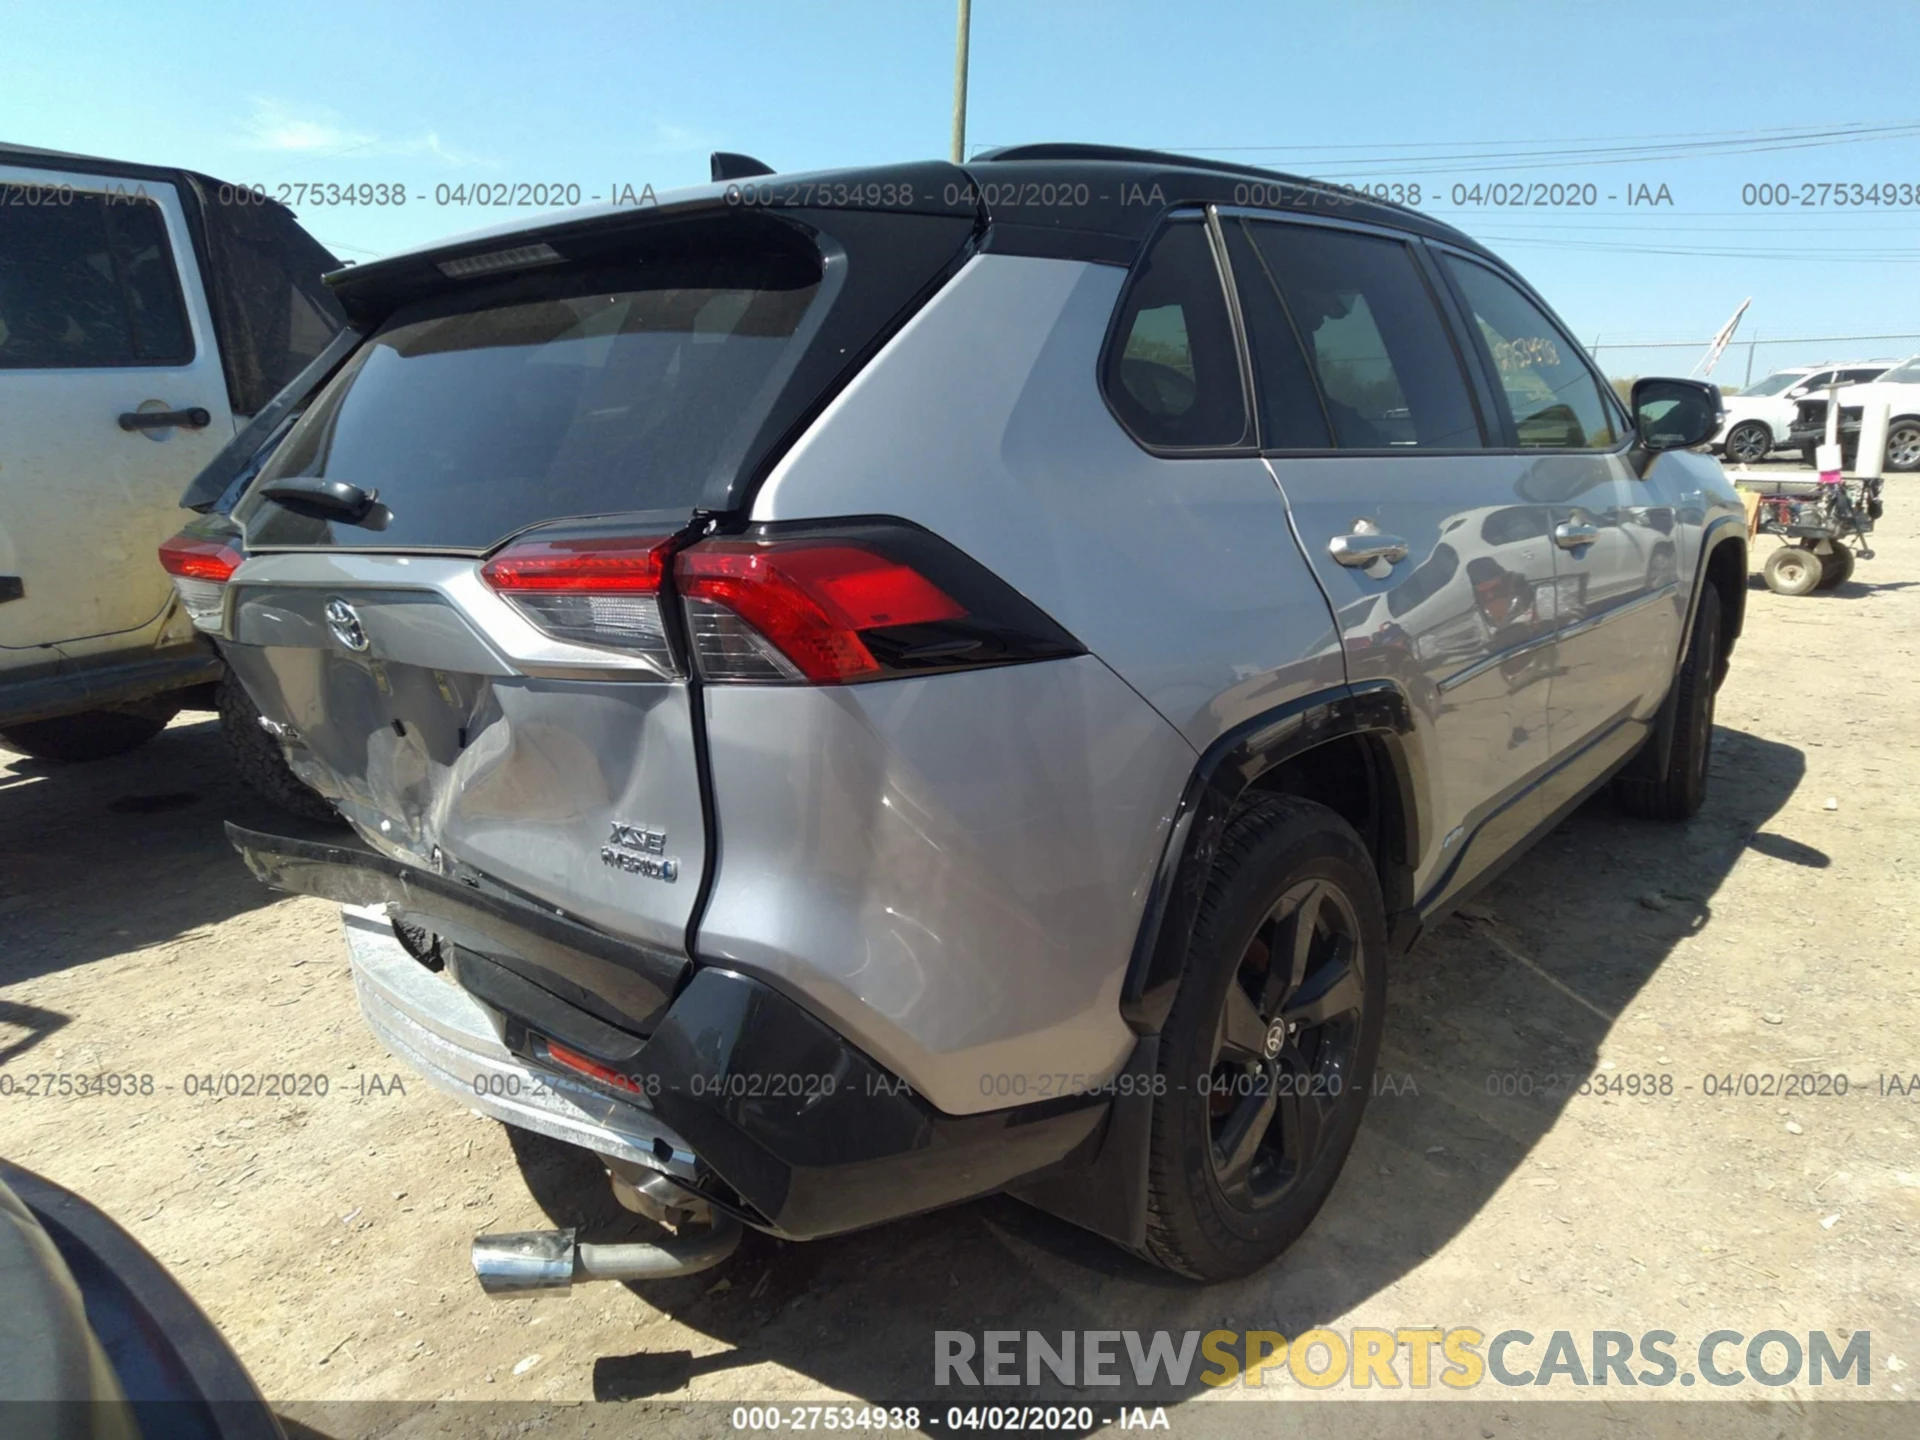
<point x="1676" y="414"/>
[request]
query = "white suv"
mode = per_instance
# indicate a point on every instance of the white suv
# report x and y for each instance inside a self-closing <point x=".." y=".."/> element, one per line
<point x="1760" y="418"/>
<point x="1898" y="389"/>
<point x="146" y="314"/>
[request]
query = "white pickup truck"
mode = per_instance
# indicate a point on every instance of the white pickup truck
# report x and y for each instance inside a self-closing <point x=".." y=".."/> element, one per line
<point x="146" y="314"/>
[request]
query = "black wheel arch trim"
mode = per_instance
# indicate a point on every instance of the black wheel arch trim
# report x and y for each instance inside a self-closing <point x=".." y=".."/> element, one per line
<point x="1721" y="530"/>
<point x="1376" y="709"/>
<point x="1732" y="614"/>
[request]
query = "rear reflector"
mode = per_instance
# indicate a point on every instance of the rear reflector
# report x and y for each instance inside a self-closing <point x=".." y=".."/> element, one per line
<point x="200" y="571"/>
<point x="582" y="1065"/>
<point x="797" y="610"/>
<point x="589" y="591"/>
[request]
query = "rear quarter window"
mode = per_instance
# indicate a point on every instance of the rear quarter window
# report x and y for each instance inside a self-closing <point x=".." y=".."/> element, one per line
<point x="1172" y="371"/>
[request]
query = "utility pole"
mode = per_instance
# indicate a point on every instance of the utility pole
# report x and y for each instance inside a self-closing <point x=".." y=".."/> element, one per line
<point x="960" y="84"/>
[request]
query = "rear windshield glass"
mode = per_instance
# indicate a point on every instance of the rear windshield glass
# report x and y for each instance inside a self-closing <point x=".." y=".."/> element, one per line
<point x="555" y="395"/>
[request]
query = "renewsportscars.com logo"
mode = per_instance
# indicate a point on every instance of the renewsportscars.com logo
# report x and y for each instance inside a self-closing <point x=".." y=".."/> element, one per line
<point x="1459" y="1358"/>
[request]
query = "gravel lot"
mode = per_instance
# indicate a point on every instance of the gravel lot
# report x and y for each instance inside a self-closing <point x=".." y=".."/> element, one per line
<point x="327" y="1234"/>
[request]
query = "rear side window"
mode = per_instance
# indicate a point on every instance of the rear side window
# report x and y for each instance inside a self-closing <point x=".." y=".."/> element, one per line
<point x="552" y="396"/>
<point x="1291" y="415"/>
<point x="87" y="281"/>
<point x="1552" y="393"/>
<point x="1172" y="372"/>
<point x="1386" y="368"/>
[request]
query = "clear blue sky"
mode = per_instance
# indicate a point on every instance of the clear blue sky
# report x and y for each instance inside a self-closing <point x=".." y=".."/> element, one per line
<point x="1680" y="95"/>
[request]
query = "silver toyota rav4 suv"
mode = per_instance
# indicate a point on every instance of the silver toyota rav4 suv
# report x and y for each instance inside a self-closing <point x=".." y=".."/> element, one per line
<point x="863" y="690"/>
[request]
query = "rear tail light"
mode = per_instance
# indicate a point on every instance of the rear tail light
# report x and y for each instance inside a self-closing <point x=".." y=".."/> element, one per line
<point x="855" y="601"/>
<point x="814" y="605"/>
<point x="200" y="570"/>
<point x="589" y="591"/>
<point x="798" y="611"/>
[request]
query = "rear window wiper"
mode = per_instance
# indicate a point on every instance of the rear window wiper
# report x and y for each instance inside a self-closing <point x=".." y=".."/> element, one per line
<point x="322" y="499"/>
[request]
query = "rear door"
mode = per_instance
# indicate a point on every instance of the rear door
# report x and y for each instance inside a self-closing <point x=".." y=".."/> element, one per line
<point x="102" y="316"/>
<point x="477" y="668"/>
<point x="1617" y="577"/>
<point x="1374" y="432"/>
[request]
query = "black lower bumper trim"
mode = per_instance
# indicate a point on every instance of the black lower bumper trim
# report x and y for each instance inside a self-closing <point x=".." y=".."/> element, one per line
<point x="812" y="1136"/>
<point x="815" y="1136"/>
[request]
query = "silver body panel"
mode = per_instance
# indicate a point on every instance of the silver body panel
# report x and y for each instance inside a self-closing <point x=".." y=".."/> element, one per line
<point x="983" y="421"/>
<point x="444" y="751"/>
<point x="950" y="870"/>
<point x="454" y="1041"/>
<point x="1476" y="667"/>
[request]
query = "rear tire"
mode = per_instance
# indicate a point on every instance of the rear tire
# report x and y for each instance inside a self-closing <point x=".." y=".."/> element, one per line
<point x="1268" y="1052"/>
<point x="1792" y="571"/>
<point x="1678" y="792"/>
<point x="257" y="759"/>
<point x="1836" y="567"/>
<point x="91" y="734"/>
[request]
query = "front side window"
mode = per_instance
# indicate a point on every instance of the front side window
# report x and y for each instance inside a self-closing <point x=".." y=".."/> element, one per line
<point x="1552" y="393"/>
<point x="1386" y="370"/>
<point x="1172" y="372"/>
<point x="87" y="282"/>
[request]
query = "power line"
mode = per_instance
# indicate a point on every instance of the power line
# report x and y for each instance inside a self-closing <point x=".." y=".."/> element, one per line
<point x="1435" y="160"/>
<point x="1665" y="137"/>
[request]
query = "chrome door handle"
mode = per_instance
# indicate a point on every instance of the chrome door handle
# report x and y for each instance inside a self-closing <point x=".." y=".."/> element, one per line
<point x="1363" y="547"/>
<point x="1572" y="534"/>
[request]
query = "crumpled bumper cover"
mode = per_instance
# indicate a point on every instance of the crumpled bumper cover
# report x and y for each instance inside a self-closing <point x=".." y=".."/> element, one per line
<point x="734" y="1079"/>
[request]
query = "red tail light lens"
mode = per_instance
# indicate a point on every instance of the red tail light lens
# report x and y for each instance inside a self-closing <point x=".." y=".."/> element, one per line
<point x="592" y="565"/>
<point x="589" y="591"/>
<point x="200" y="570"/>
<point x="810" y="601"/>
<point x="195" y="559"/>
<point x="843" y="601"/>
<point x="821" y="602"/>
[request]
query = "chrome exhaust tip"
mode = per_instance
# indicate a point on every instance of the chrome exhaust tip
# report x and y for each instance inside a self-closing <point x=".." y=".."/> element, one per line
<point x="531" y="1261"/>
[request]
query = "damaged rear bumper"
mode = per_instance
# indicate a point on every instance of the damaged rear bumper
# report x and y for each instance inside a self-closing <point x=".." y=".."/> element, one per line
<point x="733" y="1089"/>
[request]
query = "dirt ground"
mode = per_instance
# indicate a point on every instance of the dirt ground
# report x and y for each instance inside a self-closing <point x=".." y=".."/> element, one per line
<point x="327" y="1234"/>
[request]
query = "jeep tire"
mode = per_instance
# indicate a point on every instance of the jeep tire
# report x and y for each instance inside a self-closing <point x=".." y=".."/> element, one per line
<point x="256" y="757"/>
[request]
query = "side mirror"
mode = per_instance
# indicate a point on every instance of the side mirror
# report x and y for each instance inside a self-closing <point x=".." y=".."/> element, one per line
<point x="1676" y="414"/>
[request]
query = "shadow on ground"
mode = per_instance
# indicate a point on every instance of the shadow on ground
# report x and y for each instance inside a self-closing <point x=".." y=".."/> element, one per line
<point x="146" y="824"/>
<point x="1526" y="982"/>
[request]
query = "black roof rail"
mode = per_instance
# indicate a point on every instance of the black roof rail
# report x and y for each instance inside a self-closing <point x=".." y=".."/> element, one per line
<point x="1074" y="150"/>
